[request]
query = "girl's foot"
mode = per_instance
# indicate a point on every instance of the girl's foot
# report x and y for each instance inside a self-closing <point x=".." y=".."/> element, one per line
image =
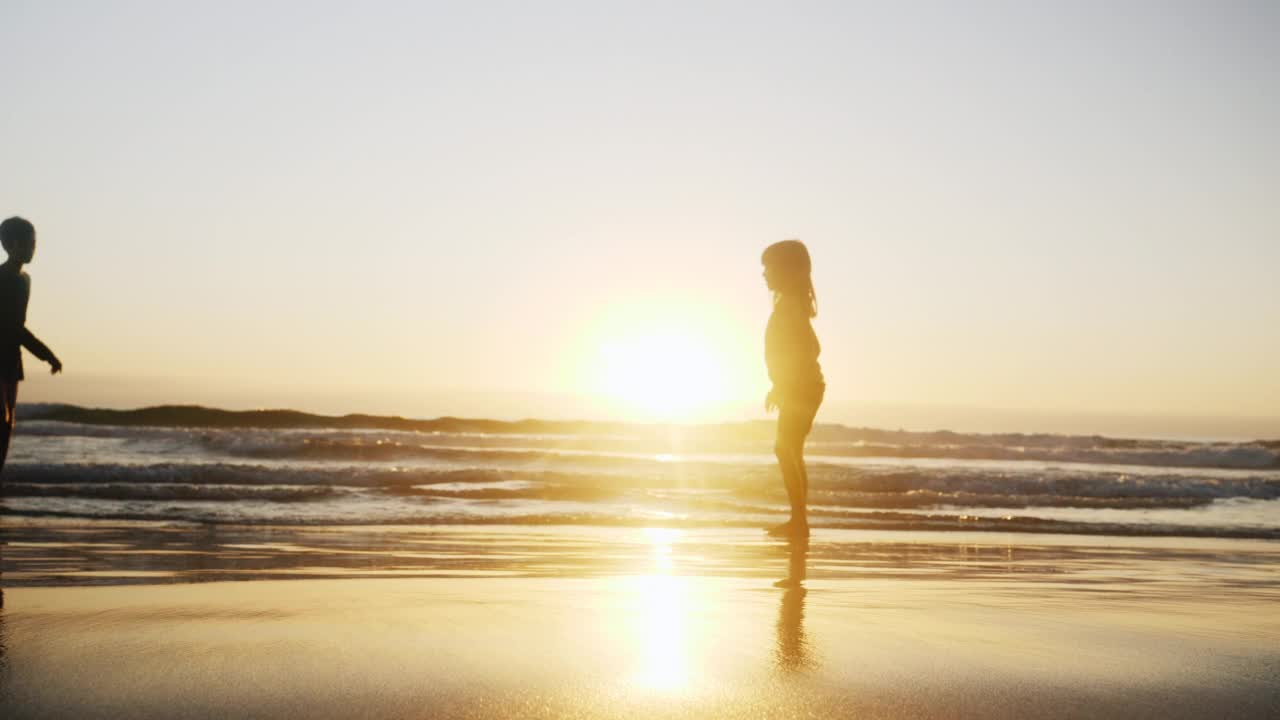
<point x="790" y="529"/>
<point x="783" y="530"/>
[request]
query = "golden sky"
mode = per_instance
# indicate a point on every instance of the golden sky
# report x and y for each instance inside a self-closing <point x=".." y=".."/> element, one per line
<point x="1021" y="217"/>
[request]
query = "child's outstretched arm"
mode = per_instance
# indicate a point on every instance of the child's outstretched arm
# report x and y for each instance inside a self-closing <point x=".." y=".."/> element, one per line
<point x="40" y="350"/>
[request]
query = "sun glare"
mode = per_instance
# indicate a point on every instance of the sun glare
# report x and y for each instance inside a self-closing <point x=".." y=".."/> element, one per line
<point x="667" y="367"/>
<point x="667" y="376"/>
<point x="663" y="603"/>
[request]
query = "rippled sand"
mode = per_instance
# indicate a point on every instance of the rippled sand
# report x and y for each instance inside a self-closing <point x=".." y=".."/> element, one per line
<point x="620" y="622"/>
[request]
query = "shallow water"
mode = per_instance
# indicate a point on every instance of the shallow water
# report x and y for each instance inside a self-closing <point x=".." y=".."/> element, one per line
<point x="72" y="552"/>
<point x="680" y="477"/>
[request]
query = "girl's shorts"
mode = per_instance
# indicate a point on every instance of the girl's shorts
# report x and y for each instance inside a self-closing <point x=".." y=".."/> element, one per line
<point x="795" y="419"/>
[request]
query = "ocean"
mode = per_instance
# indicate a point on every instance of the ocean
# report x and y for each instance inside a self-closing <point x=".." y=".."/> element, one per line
<point x="284" y="468"/>
<point x="191" y="562"/>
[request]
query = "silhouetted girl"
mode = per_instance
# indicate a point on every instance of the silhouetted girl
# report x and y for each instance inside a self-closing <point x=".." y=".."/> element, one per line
<point x="18" y="238"/>
<point x="791" y="352"/>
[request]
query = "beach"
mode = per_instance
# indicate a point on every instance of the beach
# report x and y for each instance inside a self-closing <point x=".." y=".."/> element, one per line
<point x="198" y="563"/>
<point x="614" y="361"/>
<point x="142" y="620"/>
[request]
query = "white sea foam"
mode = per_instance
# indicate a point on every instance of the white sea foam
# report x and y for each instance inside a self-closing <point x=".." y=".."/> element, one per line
<point x="370" y="476"/>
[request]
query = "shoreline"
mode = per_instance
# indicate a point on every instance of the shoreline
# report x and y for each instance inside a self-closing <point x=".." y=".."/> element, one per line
<point x="152" y="621"/>
<point x="651" y="645"/>
<point x="59" y="552"/>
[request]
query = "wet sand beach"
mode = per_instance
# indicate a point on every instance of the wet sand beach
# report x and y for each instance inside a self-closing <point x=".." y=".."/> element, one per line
<point x="632" y="622"/>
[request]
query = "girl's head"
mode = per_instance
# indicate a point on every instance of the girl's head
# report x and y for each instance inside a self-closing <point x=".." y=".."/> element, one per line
<point x="18" y="237"/>
<point x="787" y="273"/>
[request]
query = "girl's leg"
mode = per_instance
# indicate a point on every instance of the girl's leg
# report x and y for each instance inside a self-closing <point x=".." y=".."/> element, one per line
<point x="803" y="425"/>
<point x="794" y="424"/>
<point x="790" y="477"/>
<point x="802" y="483"/>
<point x="789" y="448"/>
<point x="8" y="408"/>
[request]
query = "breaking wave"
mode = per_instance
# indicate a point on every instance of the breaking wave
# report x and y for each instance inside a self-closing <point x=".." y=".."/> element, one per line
<point x="188" y="464"/>
<point x="288" y="434"/>
<point x="704" y="494"/>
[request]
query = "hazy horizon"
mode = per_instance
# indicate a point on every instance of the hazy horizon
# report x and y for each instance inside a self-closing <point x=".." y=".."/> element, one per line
<point x="533" y="406"/>
<point x="509" y="211"/>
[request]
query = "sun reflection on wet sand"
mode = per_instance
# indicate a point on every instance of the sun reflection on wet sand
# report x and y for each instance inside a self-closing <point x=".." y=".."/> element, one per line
<point x="662" y="634"/>
<point x="688" y="626"/>
<point x="662" y="605"/>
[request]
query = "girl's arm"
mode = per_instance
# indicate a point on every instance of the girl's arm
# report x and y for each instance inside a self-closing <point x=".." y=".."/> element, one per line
<point x="39" y="349"/>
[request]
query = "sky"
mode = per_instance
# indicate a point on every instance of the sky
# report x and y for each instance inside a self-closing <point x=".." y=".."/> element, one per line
<point x="1022" y="215"/>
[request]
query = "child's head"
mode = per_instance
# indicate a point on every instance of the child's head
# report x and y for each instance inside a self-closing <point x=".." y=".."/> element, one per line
<point x="18" y="236"/>
<point x="787" y="272"/>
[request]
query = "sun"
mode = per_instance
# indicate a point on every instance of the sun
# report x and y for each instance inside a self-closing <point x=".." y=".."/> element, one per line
<point x="663" y="366"/>
<point x="664" y="375"/>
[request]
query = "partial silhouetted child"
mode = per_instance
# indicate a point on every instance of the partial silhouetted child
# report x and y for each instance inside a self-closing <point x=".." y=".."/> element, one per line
<point x="19" y="240"/>
<point x="791" y="352"/>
